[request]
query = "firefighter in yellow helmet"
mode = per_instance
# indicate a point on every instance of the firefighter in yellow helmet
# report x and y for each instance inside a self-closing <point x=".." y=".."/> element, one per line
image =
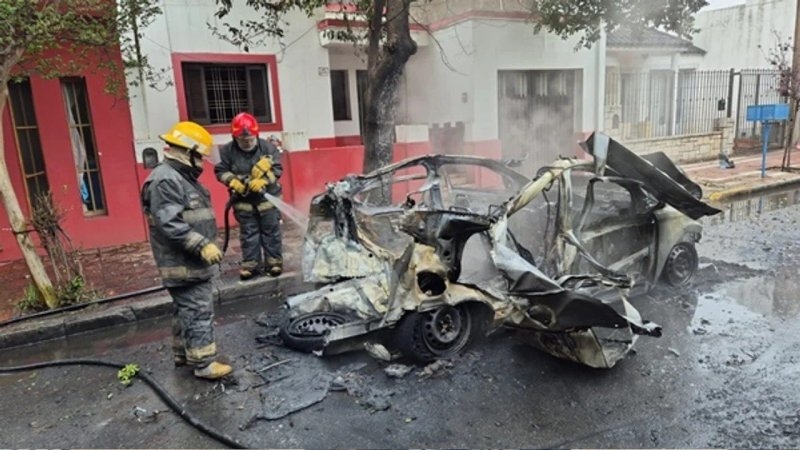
<point x="182" y="232"/>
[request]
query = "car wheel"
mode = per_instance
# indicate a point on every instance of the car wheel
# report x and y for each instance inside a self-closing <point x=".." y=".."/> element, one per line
<point x="681" y="264"/>
<point x="435" y="334"/>
<point x="307" y="332"/>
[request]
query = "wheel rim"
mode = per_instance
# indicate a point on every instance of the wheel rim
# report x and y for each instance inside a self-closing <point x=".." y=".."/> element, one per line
<point x="446" y="330"/>
<point x="315" y="324"/>
<point x="681" y="264"/>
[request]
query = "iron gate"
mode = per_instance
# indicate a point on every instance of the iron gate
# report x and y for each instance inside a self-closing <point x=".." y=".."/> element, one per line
<point x="754" y="87"/>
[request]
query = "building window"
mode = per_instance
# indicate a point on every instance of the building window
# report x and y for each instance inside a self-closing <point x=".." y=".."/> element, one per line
<point x="84" y="150"/>
<point x="340" y="93"/>
<point x="28" y="142"/>
<point x="215" y="93"/>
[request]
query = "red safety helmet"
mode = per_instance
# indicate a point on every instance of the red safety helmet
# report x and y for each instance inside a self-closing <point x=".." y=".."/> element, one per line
<point x="244" y="124"/>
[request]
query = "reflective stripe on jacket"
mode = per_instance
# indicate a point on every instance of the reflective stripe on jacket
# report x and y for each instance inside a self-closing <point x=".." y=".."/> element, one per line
<point x="181" y="221"/>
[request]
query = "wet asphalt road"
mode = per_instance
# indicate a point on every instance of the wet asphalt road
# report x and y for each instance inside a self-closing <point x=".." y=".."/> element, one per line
<point x="725" y="374"/>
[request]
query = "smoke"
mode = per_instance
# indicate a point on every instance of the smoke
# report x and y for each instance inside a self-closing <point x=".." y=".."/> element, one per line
<point x="536" y="115"/>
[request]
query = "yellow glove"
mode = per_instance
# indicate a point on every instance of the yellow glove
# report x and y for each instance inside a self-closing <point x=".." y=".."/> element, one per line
<point x="257" y="185"/>
<point x="261" y="168"/>
<point x="210" y="253"/>
<point x="237" y="186"/>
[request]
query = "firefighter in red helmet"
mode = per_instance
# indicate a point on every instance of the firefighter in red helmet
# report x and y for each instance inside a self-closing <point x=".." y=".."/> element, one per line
<point x="251" y="167"/>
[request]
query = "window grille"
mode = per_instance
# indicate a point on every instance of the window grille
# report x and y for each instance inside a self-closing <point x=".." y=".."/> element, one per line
<point x="215" y="93"/>
<point x="84" y="150"/>
<point x="29" y="144"/>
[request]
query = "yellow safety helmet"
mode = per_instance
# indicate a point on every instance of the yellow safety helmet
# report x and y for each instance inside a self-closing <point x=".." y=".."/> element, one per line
<point x="190" y="136"/>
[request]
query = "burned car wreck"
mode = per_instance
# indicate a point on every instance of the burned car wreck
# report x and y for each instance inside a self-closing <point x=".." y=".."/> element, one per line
<point x="427" y="254"/>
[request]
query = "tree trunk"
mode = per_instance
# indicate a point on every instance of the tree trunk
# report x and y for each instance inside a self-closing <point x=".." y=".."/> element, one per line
<point x="794" y="133"/>
<point x="385" y="69"/>
<point x="17" y="220"/>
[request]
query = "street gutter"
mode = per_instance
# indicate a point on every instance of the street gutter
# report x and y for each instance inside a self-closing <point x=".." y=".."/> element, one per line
<point x="263" y="289"/>
<point x="740" y="191"/>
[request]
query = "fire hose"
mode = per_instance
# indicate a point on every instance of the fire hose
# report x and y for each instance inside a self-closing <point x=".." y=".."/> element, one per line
<point x="150" y="381"/>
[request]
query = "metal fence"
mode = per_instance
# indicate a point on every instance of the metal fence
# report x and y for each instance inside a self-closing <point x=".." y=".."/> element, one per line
<point x="756" y="87"/>
<point x="701" y="100"/>
<point x="662" y="103"/>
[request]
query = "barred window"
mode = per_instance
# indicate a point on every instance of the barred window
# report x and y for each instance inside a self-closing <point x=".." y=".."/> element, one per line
<point x="84" y="150"/>
<point x="215" y="93"/>
<point x="29" y="144"/>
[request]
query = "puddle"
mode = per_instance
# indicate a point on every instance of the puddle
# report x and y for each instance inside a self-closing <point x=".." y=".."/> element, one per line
<point x="743" y="208"/>
<point x="745" y="301"/>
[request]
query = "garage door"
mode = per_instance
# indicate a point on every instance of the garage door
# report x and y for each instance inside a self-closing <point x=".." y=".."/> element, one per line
<point x="537" y="114"/>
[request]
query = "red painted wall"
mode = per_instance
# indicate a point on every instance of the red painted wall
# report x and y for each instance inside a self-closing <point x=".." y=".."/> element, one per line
<point x="305" y="172"/>
<point x="113" y="136"/>
<point x="309" y="171"/>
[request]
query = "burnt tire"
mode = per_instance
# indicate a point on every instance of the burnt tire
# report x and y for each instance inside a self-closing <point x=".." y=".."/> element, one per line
<point x="437" y="334"/>
<point x="681" y="264"/>
<point x="307" y="332"/>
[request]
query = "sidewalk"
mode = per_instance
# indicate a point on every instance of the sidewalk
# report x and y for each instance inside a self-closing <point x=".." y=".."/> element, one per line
<point x="721" y="184"/>
<point x="129" y="268"/>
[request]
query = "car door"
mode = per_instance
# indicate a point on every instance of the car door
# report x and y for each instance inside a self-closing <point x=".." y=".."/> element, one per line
<point x="614" y="221"/>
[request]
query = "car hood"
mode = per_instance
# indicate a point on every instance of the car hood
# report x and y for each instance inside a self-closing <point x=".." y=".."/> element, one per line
<point x="658" y="175"/>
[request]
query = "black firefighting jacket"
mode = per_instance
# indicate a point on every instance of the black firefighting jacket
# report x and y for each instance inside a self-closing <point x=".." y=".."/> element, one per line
<point x="235" y="162"/>
<point x="181" y="221"/>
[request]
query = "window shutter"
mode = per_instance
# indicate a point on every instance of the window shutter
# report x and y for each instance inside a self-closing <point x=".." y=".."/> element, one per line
<point x="259" y="93"/>
<point x="194" y="90"/>
<point x="340" y="94"/>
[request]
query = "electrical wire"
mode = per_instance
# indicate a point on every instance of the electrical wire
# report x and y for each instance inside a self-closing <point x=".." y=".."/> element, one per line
<point x="150" y="381"/>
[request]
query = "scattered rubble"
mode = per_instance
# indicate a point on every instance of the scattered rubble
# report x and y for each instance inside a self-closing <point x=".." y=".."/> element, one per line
<point x="397" y="370"/>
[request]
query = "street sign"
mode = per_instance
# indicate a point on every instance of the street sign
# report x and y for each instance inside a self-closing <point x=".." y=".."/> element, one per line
<point x="767" y="114"/>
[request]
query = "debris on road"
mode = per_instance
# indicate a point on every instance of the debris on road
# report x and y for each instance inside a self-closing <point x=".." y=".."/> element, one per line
<point x="286" y="396"/>
<point x="434" y="368"/>
<point x="397" y="370"/>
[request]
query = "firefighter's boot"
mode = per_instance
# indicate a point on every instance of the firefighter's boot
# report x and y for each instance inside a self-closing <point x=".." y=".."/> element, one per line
<point x="274" y="266"/>
<point x="246" y="274"/>
<point x="213" y="371"/>
<point x="248" y="270"/>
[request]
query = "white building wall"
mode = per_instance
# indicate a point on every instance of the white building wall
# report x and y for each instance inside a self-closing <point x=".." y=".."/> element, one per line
<point x="438" y="84"/>
<point x="732" y="36"/>
<point x="516" y="47"/>
<point x="475" y="51"/>
<point x="302" y="71"/>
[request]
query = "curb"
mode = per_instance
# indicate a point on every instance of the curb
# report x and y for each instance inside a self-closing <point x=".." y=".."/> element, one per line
<point x="727" y="194"/>
<point x="101" y="316"/>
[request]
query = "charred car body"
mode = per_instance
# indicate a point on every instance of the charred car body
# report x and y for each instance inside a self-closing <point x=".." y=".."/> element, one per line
<point x="424" y="255"/>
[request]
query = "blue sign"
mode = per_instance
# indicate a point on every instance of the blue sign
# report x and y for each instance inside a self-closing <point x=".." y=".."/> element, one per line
<point x="768" y="113"/>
